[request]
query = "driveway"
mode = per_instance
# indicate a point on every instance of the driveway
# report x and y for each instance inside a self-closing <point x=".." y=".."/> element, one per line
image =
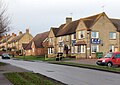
<point x="67" y="74"/>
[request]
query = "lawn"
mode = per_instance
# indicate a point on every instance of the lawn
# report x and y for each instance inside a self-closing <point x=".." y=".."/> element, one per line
<point x="30" y="57"/>
<point x="41" y="58"/>
<point x="96" y="67"/>
<point x="28" y="78"/>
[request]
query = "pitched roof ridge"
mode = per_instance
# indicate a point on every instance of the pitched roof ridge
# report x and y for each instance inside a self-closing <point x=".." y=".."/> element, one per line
<point x="93" y="15"/>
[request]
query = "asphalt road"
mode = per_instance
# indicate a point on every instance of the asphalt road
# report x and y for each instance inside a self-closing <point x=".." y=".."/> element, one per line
<point x="67" y="74"/>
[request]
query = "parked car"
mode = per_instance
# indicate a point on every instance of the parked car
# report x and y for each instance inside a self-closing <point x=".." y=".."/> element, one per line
<point x="112" y="58"/>
<point x="5" y="56"/>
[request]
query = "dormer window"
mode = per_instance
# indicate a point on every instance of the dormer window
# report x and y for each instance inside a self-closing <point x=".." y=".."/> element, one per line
<point x="81" y="34"/>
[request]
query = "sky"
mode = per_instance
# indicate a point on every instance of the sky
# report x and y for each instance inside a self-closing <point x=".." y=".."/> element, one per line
<point x="40" y="15"/>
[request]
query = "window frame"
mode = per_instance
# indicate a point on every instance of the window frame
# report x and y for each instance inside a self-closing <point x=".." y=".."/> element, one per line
<point x="95" y="33"/>
<point x="114" y="35"/>
<point x="80" y="33"/>
<point x="97" y="48"/>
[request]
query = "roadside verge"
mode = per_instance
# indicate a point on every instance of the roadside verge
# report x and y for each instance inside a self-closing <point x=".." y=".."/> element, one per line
<point x="94" y="67"/>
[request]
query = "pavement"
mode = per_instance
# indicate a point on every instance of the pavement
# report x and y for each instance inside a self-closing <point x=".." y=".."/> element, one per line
<point x="68" y="74"/>
<point x="84" y="61"/>
<point x="6" y="69"/>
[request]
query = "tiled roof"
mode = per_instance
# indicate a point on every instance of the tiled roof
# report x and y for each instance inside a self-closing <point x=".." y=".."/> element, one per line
<point x="38" y="39"/>
<point x="24" y="45"/>
<point x="116" y="23"/>
<point x="89" y="21"/>
<point x="6" y="39"/>
<point x="68" y="28"/>
<point x="55" y="31"/>
<point x="17" y="38"/>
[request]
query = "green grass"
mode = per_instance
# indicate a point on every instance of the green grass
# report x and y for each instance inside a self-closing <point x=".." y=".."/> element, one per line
<point x="2" y="64"/>
<point x="40" y="58"/>
<point x="30" y="57"/>
<point x="103" y="68"/>
<point x="28" y="78"/>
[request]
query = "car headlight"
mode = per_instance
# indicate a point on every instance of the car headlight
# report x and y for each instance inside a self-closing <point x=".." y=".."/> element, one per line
<point x="103" y="60"/>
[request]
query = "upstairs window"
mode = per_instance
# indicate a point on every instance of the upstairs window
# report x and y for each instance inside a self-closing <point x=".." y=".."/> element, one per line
<point x="67" y="38"/>
<point x="60" y="39"/>
<point x="112" y="35"/>
<point x="51" y="40"/>
<point x="73" y="36"/>
<point x="81" y="34"/>
<point x="94" y="34"/>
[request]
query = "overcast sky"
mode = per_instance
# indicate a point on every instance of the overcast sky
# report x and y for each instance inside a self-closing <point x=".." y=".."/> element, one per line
<point x="40" y="15"/>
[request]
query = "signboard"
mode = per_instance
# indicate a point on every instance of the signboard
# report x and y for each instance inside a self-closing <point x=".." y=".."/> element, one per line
<point x="73" y="42"/>
<point x="95" y="41"/>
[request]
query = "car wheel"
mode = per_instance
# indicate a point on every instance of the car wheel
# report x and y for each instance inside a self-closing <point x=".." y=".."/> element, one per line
<point x="109" y="64"/>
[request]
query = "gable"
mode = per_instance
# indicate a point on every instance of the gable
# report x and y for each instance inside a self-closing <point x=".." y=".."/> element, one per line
<point x="51" y="34"/>
<point x="81" y="26"/>
<point x="103" y="22"/>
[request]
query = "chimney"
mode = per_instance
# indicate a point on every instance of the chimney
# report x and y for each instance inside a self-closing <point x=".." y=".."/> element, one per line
<point x="20" y="32"/>
<point x="13" y="34"/>
<point x="68" y="20"/>
<point x="27" y="31"/>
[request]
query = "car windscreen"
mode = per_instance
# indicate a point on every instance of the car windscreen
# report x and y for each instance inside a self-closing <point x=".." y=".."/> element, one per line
<point x="109" y="55"/>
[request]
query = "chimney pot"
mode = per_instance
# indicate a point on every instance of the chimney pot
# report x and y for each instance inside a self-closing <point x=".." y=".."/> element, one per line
<point x="20" y="32"/>
<point x="27" y="31"/>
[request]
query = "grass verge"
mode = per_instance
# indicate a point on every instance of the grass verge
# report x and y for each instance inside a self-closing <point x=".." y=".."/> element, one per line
<point x="95" y="67"/>
<point x="30" y="57"/>
<point x="40" y="58"/>
<point x="28" y="78"/>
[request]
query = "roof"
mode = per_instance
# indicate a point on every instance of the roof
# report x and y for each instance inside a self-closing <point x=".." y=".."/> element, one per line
<point x="55" y="30"/>
<point x="67" y="29"/>
<point x="6" y="39"/>
<point x="24" y="45"/>
<point x="17" y="38"/>
<point x="116" y="23"/>
<point x="89" y="21"/>
<point x="38" y="39"/>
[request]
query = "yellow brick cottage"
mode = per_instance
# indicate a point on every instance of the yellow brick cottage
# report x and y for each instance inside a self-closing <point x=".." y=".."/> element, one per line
<point x="86" y="36"/>
<point x="16" y="43"/>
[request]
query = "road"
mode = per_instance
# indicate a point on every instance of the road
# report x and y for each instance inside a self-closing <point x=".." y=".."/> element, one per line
<point x="67" y="74"/>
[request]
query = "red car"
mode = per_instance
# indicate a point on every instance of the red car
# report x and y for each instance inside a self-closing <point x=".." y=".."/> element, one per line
<point x="112" y="58"/>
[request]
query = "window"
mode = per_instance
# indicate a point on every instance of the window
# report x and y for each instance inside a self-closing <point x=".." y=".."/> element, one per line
<point x="111" y="48"/>
<point x="60" y="49"/>
<point x="81" y="49"/>
<point x="50" y="50"/>
<point x="73" y="49"/>
<point x="51" y="40"/>
<point x="112" y="35"/>
<point x="81" y="34"/>
<point x="73" y="36"/>
<point x="94" y="48"/>
<point x="67" y="38"/>
<point x="117" y="56"/>
<point x="60" y="38"/>
<point x="94" y="34"/>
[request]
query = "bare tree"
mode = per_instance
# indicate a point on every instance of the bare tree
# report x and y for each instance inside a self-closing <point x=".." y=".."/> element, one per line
<point x="4" y="19"/>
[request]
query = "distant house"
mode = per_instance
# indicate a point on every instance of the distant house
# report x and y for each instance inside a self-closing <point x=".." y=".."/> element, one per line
<point x="16" y="42"/>
<point x="35" y="46"/>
